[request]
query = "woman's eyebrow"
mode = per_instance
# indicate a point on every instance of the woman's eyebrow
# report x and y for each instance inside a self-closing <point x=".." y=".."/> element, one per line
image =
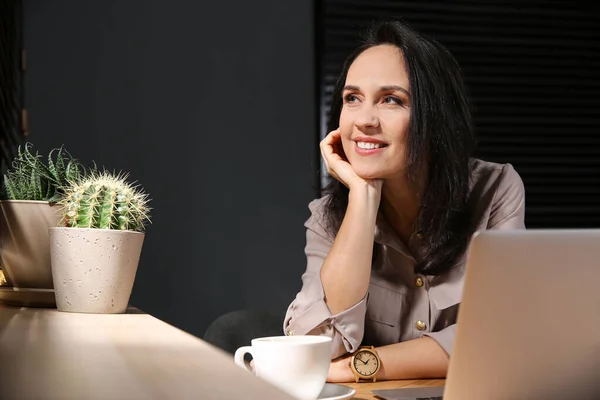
<point x="395" y="87"/>
<point x="385" y="88"/>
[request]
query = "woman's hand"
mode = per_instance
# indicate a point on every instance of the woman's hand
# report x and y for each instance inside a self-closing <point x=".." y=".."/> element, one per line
<point x="338" y="166"/>
<point x="340" y="371"/>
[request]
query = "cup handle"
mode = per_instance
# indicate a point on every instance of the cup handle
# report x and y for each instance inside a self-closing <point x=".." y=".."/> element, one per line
<point x="239" y="357"/>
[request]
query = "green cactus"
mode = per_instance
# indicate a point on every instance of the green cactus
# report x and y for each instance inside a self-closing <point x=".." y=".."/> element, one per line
<point x="105" y="201"/>
<point x="31" y="179"/>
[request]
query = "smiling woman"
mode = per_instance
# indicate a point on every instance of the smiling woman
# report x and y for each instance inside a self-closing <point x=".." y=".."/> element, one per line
<point x="376" y="95"/>
<point x="386" y="245"/>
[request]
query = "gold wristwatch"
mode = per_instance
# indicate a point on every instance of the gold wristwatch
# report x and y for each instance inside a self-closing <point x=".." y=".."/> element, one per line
<point x="364" y="364"/>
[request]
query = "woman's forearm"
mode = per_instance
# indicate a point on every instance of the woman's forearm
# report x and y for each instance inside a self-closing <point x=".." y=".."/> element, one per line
<point x="346" y="271"/>
<point x="421" y="358"/>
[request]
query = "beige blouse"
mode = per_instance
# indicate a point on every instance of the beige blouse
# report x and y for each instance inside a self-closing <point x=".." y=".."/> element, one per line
<point x="401" y="305"/>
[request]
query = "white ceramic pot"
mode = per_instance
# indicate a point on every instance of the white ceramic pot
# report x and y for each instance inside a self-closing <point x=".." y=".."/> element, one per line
<point x="24" y="242"/>
<point x="94" y="269"/>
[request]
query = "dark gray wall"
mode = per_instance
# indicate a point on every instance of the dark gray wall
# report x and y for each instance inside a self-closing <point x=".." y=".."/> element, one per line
<point x="209" y="106"/>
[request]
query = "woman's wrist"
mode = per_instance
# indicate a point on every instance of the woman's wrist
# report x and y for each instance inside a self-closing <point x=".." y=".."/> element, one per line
<point x="367" y="191"/>
<point x="365" y="199"/>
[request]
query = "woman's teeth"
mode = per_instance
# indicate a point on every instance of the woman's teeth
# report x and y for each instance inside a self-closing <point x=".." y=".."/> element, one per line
<point x="364" y="145"/>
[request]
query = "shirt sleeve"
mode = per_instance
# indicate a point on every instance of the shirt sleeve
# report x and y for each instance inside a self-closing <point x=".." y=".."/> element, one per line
<point x="507" y="212"/>
<point x="308" y="314"/>
<point x="444" y="337"/>
<point x="508" y="206"/>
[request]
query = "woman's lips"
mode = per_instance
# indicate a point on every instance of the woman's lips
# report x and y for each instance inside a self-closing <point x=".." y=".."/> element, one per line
<point x="368" y="148"/>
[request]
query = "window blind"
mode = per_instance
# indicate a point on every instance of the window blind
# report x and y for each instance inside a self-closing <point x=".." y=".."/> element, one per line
<point x="10" y="81"/>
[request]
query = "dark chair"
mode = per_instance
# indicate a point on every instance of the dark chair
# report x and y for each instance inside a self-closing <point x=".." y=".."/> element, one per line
<point x="237" y="328"/>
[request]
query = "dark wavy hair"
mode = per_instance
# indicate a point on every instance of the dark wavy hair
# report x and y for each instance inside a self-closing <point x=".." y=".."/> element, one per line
<point x="440" y="138"/>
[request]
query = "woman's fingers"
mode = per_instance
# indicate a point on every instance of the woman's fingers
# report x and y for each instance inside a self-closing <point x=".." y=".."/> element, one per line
<point x="335" y="160"/>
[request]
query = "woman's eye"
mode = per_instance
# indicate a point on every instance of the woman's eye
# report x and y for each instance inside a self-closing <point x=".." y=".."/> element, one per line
<point x="392" y="100"/>
<point x="350" y="98"/>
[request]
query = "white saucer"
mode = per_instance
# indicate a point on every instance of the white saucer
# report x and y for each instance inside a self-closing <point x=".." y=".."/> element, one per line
<point x="27" y="297"/>
<point x="333" y="391"/>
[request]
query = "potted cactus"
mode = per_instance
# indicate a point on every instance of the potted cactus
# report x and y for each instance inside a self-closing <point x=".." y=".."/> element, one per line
<point x="30" y="190"/>
<point x="96" y="248"/>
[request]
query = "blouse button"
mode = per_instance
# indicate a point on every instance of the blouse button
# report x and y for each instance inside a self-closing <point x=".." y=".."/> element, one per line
<point x="421" y="325"/>
<point x="419" y="282"/>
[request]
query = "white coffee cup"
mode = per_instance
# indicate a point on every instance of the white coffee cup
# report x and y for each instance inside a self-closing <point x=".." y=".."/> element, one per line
<point x="296" y="364"/>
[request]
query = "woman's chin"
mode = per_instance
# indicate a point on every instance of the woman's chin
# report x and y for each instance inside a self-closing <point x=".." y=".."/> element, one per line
<point x="371" y="172"/>
<point x="367" y="175"/>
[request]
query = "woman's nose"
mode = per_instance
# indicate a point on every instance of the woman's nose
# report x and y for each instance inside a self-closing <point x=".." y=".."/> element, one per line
<point x="367" y="118"/>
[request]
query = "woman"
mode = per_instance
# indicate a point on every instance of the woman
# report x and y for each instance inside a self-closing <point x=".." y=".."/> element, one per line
<point x="386" y="245"/>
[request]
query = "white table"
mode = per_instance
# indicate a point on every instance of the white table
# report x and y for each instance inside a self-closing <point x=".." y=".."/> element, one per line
<point x="47" y="354"/>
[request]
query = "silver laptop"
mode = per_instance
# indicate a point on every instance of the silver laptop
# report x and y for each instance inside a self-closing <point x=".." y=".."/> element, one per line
<point x="529" y="321"/>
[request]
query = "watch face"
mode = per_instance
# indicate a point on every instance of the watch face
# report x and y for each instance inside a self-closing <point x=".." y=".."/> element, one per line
<point x="365" y="363"/>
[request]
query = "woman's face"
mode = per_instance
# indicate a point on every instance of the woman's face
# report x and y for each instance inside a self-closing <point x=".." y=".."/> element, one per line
<point x="376" y="113"/>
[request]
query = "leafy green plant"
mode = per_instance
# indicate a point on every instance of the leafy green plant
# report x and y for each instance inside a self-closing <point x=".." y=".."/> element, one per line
<point x="105" y="201"/>
<point x="31" y="179"/>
